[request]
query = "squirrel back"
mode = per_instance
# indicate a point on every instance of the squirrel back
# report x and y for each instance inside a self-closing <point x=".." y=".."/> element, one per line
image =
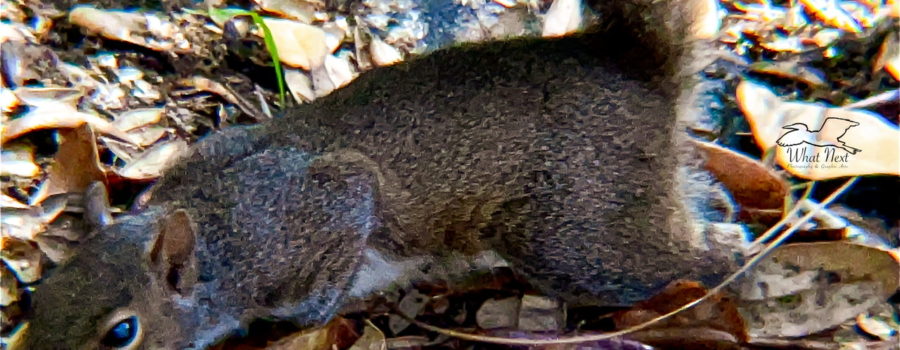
<point x="566" y="156"/>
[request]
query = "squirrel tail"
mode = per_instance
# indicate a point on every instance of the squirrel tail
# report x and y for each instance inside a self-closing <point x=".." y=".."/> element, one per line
<point x="671" y="28"/>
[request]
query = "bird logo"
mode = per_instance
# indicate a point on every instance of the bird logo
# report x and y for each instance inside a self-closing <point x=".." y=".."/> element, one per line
<point x="829" y="135"/>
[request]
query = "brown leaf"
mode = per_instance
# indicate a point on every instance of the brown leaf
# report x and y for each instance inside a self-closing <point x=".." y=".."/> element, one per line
<point x="717" y="313"/>
<point x="752" y="184"/>
<point x="817" y="142"/>
<point x="339" y="333"/>
<point x="76" y="164"/>
<point x="371" y="339"/>
<point x="57" y="117"/>
<point x="889" y="56"/>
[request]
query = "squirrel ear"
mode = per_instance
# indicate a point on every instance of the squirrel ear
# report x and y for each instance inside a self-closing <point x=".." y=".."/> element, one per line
<point x="172" y="254"/>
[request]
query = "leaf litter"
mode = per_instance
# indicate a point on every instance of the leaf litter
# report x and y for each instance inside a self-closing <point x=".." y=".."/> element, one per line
<point x="143" y="124"/>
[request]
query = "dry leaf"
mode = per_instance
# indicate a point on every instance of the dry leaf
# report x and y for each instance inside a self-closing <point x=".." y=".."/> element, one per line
<point x="76" y="164"/>
<point x="23" y="259"/>
<point x="22" y="224"/>
<point x="751" y="183"/>
<point x="300" y="85"/>
<point x="9" y="291"/>
<point x="371" y="339"/>
<point x="889" y="56"/>
<point x="141" y="29"/>
<point x="335" y="33"/>
<point x="563" y="17"/>
<point x="382" y="53"/>
<point x="8" y="101"/>
<point x="791" y="70"/>
<point x="303" y="10"/>
<point x="117" y="25"/>
<point x="804" y="262"/>
<point x="817" y="142"/>
<point x="338" y="333"/>
<point x="18" y="161"/>
<point x="299" y="45"/>
<point x="154" y="161"/>
<point x="707" y="20"/>
<point x="411" y="305"/>
<point x="58" y="117"/>
<point x="137" y="118"/>
<point x="335" y="73"/>
<point x="10" y="202"/>
<point x="831" y="13"/>
<point x="805" y="288"/>
<point x="148" y="135"/>
<point x="49" y="97"/>
<point x="877" y="326"/>
<point x="719" y="312"/>
<point x="541" y="314"/>
<point x="498" y="313"/>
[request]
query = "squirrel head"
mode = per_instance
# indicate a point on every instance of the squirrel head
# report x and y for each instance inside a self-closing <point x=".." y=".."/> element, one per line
<point x="133" y="281"/>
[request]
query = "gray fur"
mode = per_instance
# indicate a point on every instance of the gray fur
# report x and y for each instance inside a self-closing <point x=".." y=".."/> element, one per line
<point x="565" y="156"/>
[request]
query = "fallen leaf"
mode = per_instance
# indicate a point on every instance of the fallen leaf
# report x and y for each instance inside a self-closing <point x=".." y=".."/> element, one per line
<point x="884" y="328"/>
<point x="58" y="117"/>
<point x="18" y="161"/>
<point x="8" y="101"/>
<point x="541" y="314"/>
<point x="299" y="45"/>
<point x="852" y="262"/>
<point x="498" y="313"/>
<point x="304" y="10"/>
<point x="751" y="183"/>
<point x="338" y="333"/>
<point x="154" y="161"/>
<point x="76" y="164"/>
<point x="411" y="305"/>
<point x="49" y="97"/>
<point x="817" y="142"/>
<point x="829" y="12"/>
<point x="717" y="313"/>
<point x="21" y="224"/>
<point x="142" y="29"/>
<point x="300" y="85"/>
<point x="335" y="33"/>
<point x="407" y="342"/>
<point x="334" y="73"/>
<point x="371" y="339"/>
<point x="382" y="53"/>
<point x="23" y="260"/>
<point x="9" y="291"/>
<point x="9" y="202"/>
<point x="137" y="118"/>
<point x="790" y="70"/>
<point x="563" y="17"/>
<point x="148" y="135"/>
<point x="707" y="19"/>
<point x="804" y="288"/>
<point x="889" y="56"/>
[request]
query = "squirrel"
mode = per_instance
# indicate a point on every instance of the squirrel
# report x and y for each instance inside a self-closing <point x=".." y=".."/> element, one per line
<point x="569" y="157"/>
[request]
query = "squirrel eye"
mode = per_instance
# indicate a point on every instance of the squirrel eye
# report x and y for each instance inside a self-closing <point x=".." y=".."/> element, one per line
<point x="122" y="334"/>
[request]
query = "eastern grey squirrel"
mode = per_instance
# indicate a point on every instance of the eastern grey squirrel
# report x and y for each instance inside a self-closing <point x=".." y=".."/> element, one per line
<point x="566" y="156"/>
